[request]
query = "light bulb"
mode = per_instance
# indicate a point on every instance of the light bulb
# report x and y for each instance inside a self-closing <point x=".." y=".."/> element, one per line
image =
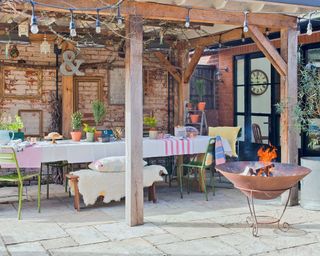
<point x="34" y="29"/>
<point x="98" y="30"/>
<point x="98" y="23"/>
<point x="73" y="32"/>
<point x="243" y="39"/>
<point x="119" y="21"/>
<point x="309" y="28"/>
<point x="187" y="24"/>
<point x="245" y="29"/>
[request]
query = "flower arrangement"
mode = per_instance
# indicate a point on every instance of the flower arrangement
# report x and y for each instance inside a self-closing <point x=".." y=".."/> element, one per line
<point x="10" y="124"/>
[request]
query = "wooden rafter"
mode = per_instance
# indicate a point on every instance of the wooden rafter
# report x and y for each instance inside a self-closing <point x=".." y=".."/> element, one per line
<point x="193" y="63"/>
<point x="168" y="66"/>
<point x="155" y="11"/>
<point x="268" y="50"/>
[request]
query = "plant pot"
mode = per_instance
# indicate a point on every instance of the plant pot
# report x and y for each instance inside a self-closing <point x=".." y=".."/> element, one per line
<point x="310" y="190"/>
<point x="189" y="106"/>
<point x="201" y="106"/>
<point x="194" y="118"/>
<point x="153" y="134"/>
<point x="97" y="134"/>
<point x="76" y="135"/>
<point x="90" y="136"/>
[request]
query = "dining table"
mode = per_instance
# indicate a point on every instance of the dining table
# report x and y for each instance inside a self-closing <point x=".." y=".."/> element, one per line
<point x="84" y="152"/>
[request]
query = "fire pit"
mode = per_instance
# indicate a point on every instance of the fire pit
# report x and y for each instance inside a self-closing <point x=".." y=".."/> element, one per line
<point x="284" y="177"/>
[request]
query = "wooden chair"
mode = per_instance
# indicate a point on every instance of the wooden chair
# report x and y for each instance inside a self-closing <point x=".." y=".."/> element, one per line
<point x="258" y="138"/>
<point x="199" y="163"/>
<point x="8" y="156"/>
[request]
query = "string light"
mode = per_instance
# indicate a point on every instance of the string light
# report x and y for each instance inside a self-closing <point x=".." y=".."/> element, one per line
<point x="98" y="23"/>
<point x="309" y="27"/>
<point x="267" y="32"/>
<point x="34" y="23"/>
<point x="245" y="23"/>
<point x="119" y="17"/>
<point x="72" y="26"/>
<point x="243" y="39"/>
<point x="187" y="24"/>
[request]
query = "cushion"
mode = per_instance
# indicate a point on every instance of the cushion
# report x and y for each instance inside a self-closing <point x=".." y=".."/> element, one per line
<point x="111" y="164"/>
<point x="227" y="132"/>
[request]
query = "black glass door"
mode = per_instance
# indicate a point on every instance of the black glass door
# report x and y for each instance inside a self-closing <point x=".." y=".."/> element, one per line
<point x="256" y="90"/>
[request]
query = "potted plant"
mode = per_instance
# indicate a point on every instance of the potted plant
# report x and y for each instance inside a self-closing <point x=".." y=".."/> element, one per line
<point x="99" y="113"/>
<point x="76" y="122"/>
<point x="89" y="132"/>
<point x="151" y="122"/>
<point x="307" y="119"/>
<point x="7" y="126"/>
<point x="200" y="89"/>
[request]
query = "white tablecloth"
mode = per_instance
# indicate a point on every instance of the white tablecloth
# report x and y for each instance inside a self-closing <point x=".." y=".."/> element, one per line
<point x="82" y="152"/>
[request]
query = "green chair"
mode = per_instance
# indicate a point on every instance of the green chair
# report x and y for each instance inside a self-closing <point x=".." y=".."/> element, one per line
<point x="199" y="164"/>
<point x="8" y="156"/>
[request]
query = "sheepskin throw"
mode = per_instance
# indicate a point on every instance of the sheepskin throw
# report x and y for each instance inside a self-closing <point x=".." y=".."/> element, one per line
<point x="111" y="185"/>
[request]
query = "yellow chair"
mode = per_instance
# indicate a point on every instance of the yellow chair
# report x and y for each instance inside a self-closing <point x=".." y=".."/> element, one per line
<point x="229" y="133"/>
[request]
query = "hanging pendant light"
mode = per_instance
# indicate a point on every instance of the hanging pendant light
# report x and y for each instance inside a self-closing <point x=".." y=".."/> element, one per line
<point x="34" y="23"/>
<point x="72" y="26"/>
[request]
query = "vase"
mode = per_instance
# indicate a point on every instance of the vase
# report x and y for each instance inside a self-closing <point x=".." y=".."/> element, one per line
<point x="76" y="135"/>
<point x="5" y="137"/>
<point x="153" y="134"/>
<point x="194" y="118"/>
<point x="310" y="190"/>
<point x="90" y="136"/>
<point x="201" y="106"/>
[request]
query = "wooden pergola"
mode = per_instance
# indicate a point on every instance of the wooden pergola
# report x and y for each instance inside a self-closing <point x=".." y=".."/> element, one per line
<point x="223" y="19"/>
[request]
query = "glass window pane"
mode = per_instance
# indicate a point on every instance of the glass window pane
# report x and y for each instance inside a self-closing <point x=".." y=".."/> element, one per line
<point x="240" y="99"/>
<point x="263" y="66"/>
<point x="240" y="71"/>
<point x="240" y="122"/>
<point x="261" y="103"/>
<point x="313" y="57"/>
<point x="263" y="122"/>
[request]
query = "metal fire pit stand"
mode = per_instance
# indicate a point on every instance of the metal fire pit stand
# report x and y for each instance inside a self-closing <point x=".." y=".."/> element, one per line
<point x="253" y="219"/>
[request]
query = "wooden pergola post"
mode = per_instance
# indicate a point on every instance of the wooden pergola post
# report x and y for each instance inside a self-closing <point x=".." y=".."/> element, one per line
<point x="289" y="94"/>
<point x="133" y="120"/>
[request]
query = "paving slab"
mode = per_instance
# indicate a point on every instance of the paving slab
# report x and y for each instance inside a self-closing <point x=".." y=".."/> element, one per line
<point x="58" y="243"/>
<point x="27" y="249"/>
<point x="199" y="247"/>
<point x="14" y="231"/>
<point x="308" y="250"/>
<point x="3" y="250"/>
<point x="136" y="246"/>
<point x="86" y="235"/>
<point x="121" y="231"/>
<point x="162" y="239"/>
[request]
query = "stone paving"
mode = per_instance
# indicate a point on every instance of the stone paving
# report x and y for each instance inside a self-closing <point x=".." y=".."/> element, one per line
<point x="173" y="226"/>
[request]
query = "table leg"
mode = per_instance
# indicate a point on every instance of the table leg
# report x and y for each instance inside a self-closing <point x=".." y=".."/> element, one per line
<point x="76" y="194"/>
<point x="152" y="193"/>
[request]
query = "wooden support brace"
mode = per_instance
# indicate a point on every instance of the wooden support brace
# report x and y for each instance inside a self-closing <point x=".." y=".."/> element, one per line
<point x="169" y="67"/>
<point x="268" y="50"/>
<point x="193" y="63"/>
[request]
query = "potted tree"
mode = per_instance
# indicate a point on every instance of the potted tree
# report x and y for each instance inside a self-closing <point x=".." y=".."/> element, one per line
<point x="76" y="122"/>
<point x="99" y="113"/>
<point x="151" y="122"/>
<point x="307" y="119"/>
<point x="200" y="91"/>
<point x="9" y="129"/>
<point x="89" y="132"/>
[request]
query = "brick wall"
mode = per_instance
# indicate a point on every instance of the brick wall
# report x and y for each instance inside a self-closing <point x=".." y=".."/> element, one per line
<point x="155" y="84"/>
<point x="223" y="59"/>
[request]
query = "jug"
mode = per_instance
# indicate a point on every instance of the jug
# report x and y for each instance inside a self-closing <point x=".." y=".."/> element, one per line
<point x="5" y="137"/>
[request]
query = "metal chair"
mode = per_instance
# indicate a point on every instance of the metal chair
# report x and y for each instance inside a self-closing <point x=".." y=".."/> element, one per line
<point x="258" y="138"/>
<point x="8" y="156"/>
<point x="199" y="164"/>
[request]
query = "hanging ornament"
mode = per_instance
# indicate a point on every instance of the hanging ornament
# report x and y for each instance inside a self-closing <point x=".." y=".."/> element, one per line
<point x="14" y="52"/>
<point x="45" y="46"/>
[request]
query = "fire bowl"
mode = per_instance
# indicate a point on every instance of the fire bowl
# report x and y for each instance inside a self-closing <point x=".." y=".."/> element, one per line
<point x="285" y="176"/>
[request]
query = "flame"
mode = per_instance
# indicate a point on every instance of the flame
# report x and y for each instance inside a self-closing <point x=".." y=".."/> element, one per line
<point x="266" y="155"/>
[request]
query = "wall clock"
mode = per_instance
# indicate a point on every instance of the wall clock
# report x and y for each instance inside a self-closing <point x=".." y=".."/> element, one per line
<point x="259" y="82"/>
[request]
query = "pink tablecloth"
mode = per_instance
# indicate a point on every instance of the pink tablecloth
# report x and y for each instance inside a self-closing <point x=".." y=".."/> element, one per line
<point x="29" y="157"/>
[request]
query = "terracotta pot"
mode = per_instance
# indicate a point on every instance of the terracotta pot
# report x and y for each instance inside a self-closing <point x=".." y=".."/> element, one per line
<point x="194" y="118"/>
<point x="153" y="134"/>
<point x="97" y="134"/>
<point x="76" y="135"/>
<point x="201" y="106"/>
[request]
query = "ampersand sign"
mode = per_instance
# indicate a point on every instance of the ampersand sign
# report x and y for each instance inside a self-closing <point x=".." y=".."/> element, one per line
<point x="68" y="68"/>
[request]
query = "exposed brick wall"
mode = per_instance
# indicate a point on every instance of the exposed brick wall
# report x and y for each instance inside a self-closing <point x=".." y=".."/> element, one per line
<point x="155" y="85"/>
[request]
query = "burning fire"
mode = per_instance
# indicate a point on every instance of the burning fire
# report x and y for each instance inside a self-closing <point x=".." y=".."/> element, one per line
<point x="266" y="156"/>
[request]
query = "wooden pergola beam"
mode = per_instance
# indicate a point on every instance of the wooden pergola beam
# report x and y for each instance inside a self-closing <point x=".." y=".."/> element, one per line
<point x="155" y="11"/>
<point x="193" y="63"/>
<point x="168" y="66"/>
<point x="268" y="50"/>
